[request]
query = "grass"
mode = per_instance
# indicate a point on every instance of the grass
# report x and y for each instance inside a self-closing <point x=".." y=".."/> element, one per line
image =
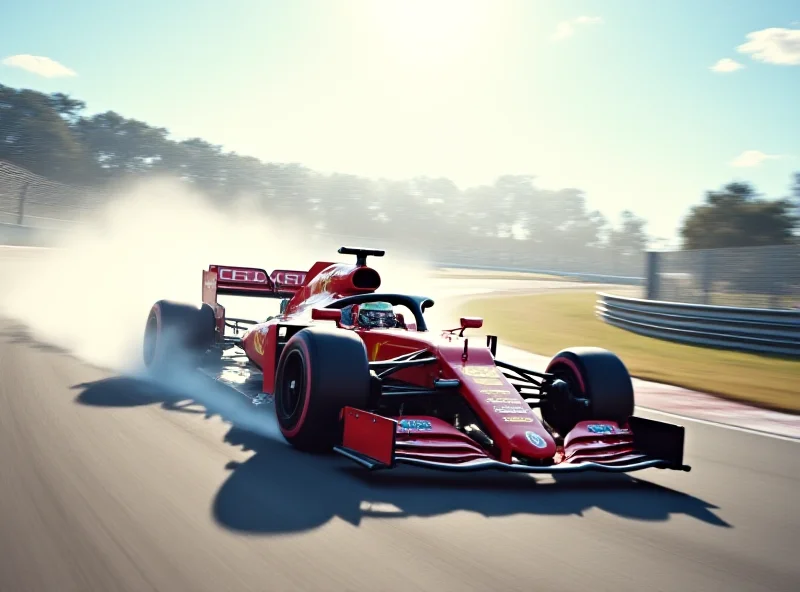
<point x="544" y="324"/>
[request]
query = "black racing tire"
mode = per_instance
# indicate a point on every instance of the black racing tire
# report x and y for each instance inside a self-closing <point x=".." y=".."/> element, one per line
<point x="320" y="371"/>
<point x="177" y="335"/>
<point x="594" y="374"/>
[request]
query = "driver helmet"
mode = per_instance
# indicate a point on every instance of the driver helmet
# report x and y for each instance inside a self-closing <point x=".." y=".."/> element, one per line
<point x="373" y="315"/>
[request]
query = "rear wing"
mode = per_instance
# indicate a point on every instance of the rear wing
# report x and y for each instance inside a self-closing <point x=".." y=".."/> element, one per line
<point x="223" y="280"/>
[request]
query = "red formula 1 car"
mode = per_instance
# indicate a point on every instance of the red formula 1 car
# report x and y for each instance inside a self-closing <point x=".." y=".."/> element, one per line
<point x="348" y="372"/>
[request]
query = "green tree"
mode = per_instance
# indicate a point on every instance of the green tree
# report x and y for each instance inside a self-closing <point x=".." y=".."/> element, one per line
<point x="69" y="108"/>
<point x="121" y="146"/>
<point x="510" y="221"/>
<point x="33" y="135"/>
<point x="630" y="239"/>
<point x="737" y="217"/>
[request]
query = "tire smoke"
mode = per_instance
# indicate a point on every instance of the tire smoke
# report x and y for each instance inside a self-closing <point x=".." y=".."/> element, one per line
<point x="91" y="294"/>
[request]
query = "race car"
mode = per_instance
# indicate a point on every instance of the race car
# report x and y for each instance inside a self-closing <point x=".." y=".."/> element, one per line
<point x="349" y="372"/>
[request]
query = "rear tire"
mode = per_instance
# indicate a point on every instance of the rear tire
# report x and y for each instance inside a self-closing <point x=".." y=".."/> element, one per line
<point x="177" y="335"/>
<point x="596" y="375"/>
<point x="321" y="370"/>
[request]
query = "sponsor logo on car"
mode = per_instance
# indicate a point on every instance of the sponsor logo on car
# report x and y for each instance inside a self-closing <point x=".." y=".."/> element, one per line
<point x="502" y="400"/>
<point x="414" y="425"/>
<point x="601" y="429"/>
<point x="488" y="381"/>
<point x="535" y="439"/>
<point x="259" y="339"/>
<point x="480" y="371"/>
<point x="245" y="276"/>
<point x="506" y="409"/>
<point x="518" y="419"/>
<point x="495" y="392"/>
<point x="284" y="277"/>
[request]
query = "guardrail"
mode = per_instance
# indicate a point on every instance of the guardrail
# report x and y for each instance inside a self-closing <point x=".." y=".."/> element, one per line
<point x="756" y="330"/>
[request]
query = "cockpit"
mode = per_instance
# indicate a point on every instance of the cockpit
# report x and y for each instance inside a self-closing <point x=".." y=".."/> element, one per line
<point x="378" y="311"/>
<point x="371" y="315"/>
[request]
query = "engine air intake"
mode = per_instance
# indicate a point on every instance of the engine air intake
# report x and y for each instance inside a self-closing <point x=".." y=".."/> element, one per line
<point x="366" y="278"/>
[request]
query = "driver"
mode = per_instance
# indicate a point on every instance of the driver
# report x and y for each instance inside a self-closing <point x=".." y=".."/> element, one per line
<point x="370" y="315"/>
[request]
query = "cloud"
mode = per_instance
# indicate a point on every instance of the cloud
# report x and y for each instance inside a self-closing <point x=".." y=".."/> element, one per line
<point x="752" y="158"/>
<point x="726" y="65"/>
<point x="39" y="65"/>
<point x="566" y="29"/>
<point x="774" y="46"/>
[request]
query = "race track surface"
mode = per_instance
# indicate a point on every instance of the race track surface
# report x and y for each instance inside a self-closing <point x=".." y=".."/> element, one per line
<point x="109" y="483"/>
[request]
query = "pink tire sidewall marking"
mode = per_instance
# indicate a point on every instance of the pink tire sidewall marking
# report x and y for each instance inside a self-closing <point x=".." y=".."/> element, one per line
<point x="306" y="399"/>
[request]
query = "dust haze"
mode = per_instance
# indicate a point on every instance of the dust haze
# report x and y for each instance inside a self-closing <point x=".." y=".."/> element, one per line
<point x="92" y="294"/>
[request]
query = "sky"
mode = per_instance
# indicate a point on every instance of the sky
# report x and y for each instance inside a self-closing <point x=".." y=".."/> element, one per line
<point x="644" y="105"/>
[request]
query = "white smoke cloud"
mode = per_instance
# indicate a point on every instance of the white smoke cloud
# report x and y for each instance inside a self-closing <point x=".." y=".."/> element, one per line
<point x="92" y="294"/>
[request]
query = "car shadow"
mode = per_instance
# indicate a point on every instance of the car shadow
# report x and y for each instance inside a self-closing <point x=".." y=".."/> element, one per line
<point x="281" y="490"/>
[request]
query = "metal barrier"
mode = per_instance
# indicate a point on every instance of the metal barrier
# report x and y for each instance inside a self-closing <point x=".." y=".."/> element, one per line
<point x="756" y="330"/>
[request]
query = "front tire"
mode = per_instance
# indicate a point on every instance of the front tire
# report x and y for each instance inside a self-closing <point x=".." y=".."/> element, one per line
<point x="593" y="374"/>
<point x="320" y="371"/>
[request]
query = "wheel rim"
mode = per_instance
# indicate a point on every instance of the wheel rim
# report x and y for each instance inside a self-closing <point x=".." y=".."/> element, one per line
<point x="150" y="335"/>
<point x="292" y="388"/>
<point x="567" y="375"/>
<point x="564" y="413"/>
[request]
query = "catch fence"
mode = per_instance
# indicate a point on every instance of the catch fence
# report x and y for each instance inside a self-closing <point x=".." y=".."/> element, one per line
<point x="754" y="277"/>
<point x="30" y="200"/>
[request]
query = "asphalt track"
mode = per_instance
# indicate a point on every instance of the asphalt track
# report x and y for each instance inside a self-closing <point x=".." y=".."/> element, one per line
<point x="110" y="483"/>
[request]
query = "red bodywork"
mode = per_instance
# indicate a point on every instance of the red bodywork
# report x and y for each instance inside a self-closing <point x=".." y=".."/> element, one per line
<point x="516" y="432"/>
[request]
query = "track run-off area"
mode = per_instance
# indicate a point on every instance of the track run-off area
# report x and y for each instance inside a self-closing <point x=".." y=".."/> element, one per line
<point x="110" y="482"/>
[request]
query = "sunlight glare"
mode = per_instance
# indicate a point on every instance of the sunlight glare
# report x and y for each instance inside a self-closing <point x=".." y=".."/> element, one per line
<point x="429" y="29"/>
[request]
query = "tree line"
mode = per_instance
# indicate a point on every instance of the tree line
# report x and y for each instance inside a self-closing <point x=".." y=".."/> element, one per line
<point x="49" y="135"/>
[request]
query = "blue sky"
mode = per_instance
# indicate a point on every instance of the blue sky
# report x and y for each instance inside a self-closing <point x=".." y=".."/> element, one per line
<point x="616" y="97"/>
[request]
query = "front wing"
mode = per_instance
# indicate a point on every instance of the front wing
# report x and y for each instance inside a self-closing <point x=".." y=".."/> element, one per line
<point x="372" y="441"/>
